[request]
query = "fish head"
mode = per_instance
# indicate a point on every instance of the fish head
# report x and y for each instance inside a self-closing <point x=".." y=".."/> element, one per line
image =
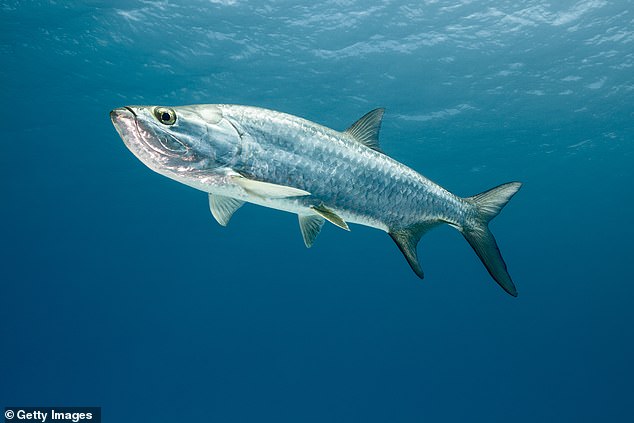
<point x="178" y="141"/>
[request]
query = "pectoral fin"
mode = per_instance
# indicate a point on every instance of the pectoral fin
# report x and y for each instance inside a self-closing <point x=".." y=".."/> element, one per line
<point x="222" y="208"/>
<point x="267" y="189"/>
<point x="330" y="216"/>
<point x="310" y="225"/>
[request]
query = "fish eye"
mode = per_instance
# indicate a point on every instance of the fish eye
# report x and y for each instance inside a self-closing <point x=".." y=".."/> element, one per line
<point x="165" y="115"/>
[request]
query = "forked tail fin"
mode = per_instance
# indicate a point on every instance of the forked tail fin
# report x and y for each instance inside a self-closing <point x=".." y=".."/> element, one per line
<point x="475" y="230"/>
<point x="477" y="233"/>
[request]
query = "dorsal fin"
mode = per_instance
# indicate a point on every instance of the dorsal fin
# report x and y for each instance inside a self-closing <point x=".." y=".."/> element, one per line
<point x="366" y="129"/>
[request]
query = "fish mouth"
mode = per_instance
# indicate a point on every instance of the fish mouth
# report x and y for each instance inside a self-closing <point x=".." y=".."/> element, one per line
<point x="141" y="140"/>
<point x="123" y="119"/>
<point x="126" y="122"/>
<point x="121" y="113"/>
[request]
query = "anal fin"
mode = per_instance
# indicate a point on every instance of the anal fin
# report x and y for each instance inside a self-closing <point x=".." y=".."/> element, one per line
<point x="407" y="239"/>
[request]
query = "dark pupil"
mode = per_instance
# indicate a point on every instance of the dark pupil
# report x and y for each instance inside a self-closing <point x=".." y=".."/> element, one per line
<point x="165" y="116"/>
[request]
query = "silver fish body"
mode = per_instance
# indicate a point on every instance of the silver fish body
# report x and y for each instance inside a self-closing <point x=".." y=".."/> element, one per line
<point x="243" y="154"/>
<point x="360" y="184"/>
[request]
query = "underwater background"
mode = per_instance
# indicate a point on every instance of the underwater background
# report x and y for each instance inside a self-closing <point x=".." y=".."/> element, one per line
<point x="119" y="290"/>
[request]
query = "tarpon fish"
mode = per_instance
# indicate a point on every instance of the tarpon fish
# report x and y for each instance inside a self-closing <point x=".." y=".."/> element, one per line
<point x="241" y="154"/>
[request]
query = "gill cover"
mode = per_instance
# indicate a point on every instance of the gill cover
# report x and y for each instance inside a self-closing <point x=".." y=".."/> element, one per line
<point x="212" y="140"/>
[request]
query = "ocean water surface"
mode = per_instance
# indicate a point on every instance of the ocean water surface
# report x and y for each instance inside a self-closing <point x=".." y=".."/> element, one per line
<point x="119" y="289"/>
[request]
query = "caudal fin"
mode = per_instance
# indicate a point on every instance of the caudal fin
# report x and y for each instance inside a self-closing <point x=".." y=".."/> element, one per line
<point x="476" y="232"/>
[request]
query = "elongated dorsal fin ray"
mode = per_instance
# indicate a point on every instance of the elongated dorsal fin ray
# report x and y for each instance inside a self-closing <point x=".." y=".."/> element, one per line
<point x="267" y="189"/>
<point x="407" y="239"/>
<point x="330" y="216"/>
<point x="222" y="208"/>
<point x="310" y="225"/>
<point x="366" y="129"/>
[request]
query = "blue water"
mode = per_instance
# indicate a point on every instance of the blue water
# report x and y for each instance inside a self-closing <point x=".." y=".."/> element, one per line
<point x="118" y="289"/>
